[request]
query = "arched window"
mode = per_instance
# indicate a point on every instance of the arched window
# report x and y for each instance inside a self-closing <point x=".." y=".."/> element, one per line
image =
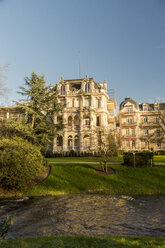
<point x="62" y="89"/>
<point x="87" y="87"/>
<point x="70" y="141"/>
<point x="76" y="120"/>
<point x="76" y="141"/>
<point x="70" y="121"/>
<point x="59" y="141"/>
<point x="59" y="120"/>
<point x="86" y="141"/>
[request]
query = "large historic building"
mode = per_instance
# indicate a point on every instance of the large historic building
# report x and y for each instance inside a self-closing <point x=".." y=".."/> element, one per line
<point x="90" y="111"/>
<point x="87" y="110"/>
<point x="141" y="125"/>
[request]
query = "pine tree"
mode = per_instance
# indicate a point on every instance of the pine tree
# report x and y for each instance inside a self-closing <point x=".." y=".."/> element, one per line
<point x="39" y="107"/>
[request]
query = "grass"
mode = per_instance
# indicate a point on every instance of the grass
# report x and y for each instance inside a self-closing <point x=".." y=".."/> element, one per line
<point x="159" y="159"/>
<point x="82" y="178"/>
<point x="84" y="242"/>
<point x="83" y="159"/>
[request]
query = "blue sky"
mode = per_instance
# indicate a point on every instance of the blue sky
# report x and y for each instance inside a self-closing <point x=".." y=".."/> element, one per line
<point x="122" y="41"/>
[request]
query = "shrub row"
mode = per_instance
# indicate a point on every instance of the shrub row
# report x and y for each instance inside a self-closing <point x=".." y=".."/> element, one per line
<point x="138" y="159"/>
<point x="72" y="153"/>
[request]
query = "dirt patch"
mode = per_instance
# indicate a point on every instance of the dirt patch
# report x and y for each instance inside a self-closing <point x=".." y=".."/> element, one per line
<point x="43" y="175"/>
<point x="99" y="171"/>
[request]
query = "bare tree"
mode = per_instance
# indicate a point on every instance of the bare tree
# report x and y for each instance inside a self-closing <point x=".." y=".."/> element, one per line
<point x="108" y="147"/>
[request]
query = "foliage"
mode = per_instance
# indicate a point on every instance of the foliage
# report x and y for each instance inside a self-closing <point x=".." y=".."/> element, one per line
<point x="138" y="159"/>
<point x="5" y="226"/>
<point x="39" y="107"/>
<point x="85" y="242"/>
<point x="20" y="162"/>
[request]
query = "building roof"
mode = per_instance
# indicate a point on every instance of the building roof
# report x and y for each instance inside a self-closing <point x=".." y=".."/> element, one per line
<point x="128" y="99"/>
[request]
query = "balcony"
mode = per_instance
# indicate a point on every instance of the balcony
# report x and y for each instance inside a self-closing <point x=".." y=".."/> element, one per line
<point x="131" y="136"/>
<point x="127" y="124"/>
<point x="149" y="124"/>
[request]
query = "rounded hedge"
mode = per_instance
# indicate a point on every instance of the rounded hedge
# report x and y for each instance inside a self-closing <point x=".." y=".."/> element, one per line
<point x="138" y="159"/>
<point x="20" y="163"/>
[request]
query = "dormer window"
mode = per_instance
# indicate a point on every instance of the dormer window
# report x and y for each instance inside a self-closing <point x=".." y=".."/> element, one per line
<point x="87" y="88"/>
<point x="62" y="89"/>
<point x="156" y="107"/>
<point x="145" y="108"/>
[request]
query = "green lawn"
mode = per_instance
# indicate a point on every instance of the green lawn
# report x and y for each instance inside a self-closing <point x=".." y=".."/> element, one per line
<point x="159" y="159"/>
<point x="82" y="178"/>
<point x="84" y="242"/>
<point x="83" y="159"/>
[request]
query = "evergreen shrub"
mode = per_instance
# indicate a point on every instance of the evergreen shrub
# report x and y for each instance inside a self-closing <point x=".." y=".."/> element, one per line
<point x="20" y="163"/>
<point x="142" y="159"/>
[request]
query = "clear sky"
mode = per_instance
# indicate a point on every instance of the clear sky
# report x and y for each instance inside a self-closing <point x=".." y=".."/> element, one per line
<point x="122" y="41"/>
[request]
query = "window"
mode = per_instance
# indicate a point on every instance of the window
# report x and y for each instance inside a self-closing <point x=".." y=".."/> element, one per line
<point x="145" y="119"/>
<point x="145" y="108"/>
<point x="76" y="120"/>
<point x="127" y="131"/>
<point x="97" y="121"/>
<point x="59" y="120"/>
<point x="127" y="144"/>
<point x="62" y="89"/>
<point x="76" y="141"/>
<point x="98" y="103"/>
<point x="70" y="121"/>
<point x="158" y="132"/>
<point x="156" y="108"/>
<point x="87" y="88"/>
<point x="59" y="141"/>
<point x="130" y="120"/>
<point x="157" y="120"/>
<point x="76" y="102"/>
<point x="70" y="141"/>
<point x="73" y="102"/>
<point x="87" y="102"/>
<point x="87" y="121"/>
<point x="129" y="109"/>
<point x="145" y="132"/>
<point x="132" y="132"/>
<point x="133" y="144"/>
<point x="63" y="102"/>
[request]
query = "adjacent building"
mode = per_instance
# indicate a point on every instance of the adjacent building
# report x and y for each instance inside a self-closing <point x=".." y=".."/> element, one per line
<point x="141" y="125"/>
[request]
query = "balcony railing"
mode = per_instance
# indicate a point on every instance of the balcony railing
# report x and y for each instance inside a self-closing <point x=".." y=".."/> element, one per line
<point x="149" y="124"/>
<point x="130" y="136"/>
<point x="129" y="124"/>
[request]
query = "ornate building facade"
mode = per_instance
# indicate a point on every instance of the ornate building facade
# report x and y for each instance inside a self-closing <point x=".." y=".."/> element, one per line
<point x="87" y="110"/>
<point x="141" y="125"/>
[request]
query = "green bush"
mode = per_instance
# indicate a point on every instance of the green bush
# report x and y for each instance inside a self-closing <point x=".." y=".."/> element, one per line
<point x="20" y="163"/>
<point x="142" y="159"/>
